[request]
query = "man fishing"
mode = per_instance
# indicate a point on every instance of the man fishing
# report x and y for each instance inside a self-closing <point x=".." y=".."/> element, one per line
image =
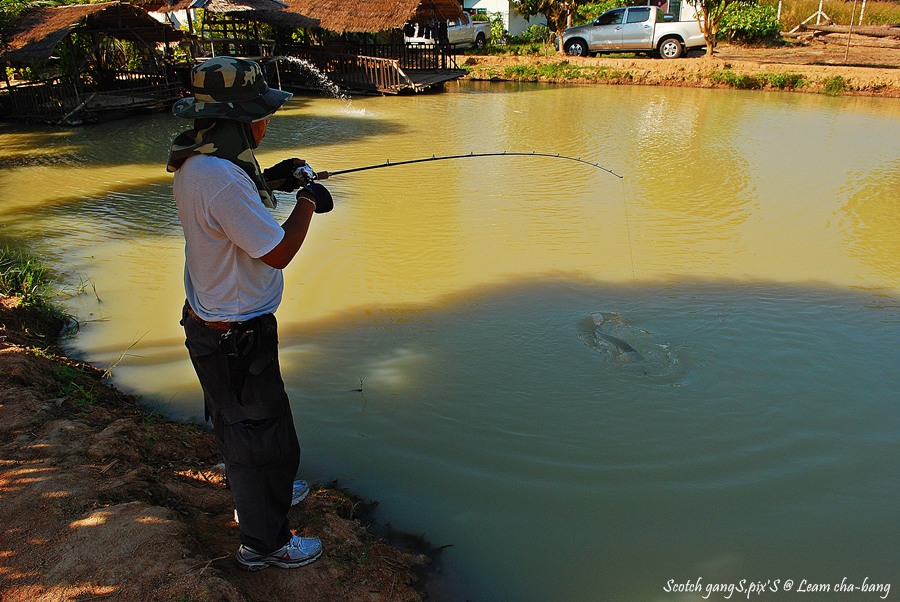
<point x="234" y="253"/>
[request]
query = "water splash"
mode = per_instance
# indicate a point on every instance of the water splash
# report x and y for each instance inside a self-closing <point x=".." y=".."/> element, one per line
<point x="321" y="79"/>
<point x="622" y="344"/>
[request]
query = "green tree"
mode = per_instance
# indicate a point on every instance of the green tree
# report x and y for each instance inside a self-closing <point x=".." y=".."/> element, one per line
<point x="711" y="13"/>
<point x="559" y="13"/>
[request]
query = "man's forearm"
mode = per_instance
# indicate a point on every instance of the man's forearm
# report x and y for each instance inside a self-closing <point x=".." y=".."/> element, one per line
<point x="295" y="229"/>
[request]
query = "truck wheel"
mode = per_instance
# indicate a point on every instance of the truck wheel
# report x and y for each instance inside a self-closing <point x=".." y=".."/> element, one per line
<point x="671" y="48"/>
<point x="576" y="47"/>
<point x="479" y="41"/>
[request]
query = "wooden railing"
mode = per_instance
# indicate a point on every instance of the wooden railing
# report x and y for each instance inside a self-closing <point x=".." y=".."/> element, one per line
<point x="346" y="70"/>
<point x="53" y="100"/>
<point x="373" y="67"/>
<point x="49" y="99"/>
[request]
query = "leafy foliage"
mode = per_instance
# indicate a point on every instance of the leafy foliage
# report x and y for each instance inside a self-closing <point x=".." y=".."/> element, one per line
<point x="748" y="21"/>
<point x="558" y="13"/>
<point x="498" y="32"/>
<point x="591" y="10"/>
<point x="536" y="32"/>
<point x="712" y="12"/>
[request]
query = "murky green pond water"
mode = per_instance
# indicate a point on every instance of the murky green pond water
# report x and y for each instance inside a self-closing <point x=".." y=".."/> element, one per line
<point x="591" y="388"/>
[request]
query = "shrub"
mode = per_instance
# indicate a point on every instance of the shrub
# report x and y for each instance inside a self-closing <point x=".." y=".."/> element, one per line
<point x="835" y="85"/>
<point x="536" y="32"/>
<point x="749" y="22"/>
<point x="739" y="82"/>
<point x="785" y="81"/>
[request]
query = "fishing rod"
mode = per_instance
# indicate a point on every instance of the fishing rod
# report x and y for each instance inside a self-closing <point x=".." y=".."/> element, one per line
<point x="306" y="173"/>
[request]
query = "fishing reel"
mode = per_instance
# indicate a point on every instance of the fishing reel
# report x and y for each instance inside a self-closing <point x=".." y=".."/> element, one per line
<point x="306" y="175"/>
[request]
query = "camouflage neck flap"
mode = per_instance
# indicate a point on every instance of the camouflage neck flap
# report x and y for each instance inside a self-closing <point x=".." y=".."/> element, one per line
<point x="223" y="138"/>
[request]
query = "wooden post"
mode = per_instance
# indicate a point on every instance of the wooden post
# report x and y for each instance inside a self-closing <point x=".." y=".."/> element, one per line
<point x="778" y="15"/>
<point x="862" y="11"/>
<point x="820" y="13"/>
<point x="850" y="31"/>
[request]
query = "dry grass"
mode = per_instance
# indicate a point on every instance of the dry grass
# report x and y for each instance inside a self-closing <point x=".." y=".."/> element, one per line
<point x="878" y="12"/>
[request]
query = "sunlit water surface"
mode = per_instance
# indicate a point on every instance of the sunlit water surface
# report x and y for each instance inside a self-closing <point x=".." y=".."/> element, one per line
<point x="586" y="386"/>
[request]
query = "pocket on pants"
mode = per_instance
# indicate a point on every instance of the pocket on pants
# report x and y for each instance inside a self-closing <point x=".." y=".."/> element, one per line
<point x="258" y="435"/>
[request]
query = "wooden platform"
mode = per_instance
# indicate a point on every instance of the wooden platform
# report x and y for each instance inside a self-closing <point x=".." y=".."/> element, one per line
<point x="428" y="78"/>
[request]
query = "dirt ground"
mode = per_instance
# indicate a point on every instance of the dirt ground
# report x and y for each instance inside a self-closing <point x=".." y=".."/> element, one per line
<point x="103" y="501"/>
<point x="871" y="66"/>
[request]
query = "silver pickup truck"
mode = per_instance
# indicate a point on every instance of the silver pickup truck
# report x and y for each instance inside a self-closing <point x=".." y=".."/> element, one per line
<point x="461" y="33"/>
<point x="634" y="29"/>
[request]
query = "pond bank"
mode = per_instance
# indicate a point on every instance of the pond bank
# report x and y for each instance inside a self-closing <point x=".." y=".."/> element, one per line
<point x="813" y="68"/>
<point x="103" y="500"/>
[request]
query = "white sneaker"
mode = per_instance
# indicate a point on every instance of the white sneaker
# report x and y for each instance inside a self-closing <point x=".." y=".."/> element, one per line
<point x="299" y="493"/>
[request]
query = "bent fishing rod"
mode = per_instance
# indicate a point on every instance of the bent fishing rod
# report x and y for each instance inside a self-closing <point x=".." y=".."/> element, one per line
<point x="305" y="172"/>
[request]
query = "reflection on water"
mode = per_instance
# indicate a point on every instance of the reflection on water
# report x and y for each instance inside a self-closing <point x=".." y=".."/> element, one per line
<point x="587" y="386"/>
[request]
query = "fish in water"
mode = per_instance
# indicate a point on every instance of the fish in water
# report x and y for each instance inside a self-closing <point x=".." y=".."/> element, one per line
<point x="620" y="348"/>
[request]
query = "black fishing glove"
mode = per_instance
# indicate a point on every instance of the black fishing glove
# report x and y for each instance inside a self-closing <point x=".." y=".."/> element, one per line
<point x="324" y="202"/>
<point x="281" y="175"/>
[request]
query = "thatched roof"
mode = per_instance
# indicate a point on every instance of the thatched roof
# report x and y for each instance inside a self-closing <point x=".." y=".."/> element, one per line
<point x="33" y="35"/>
<point x="267" y="11"/>
<point x="336" y="15"/>
<point x="372" y="15"/>
<point x="216" y="6"/>
<point x="283" y="18"/>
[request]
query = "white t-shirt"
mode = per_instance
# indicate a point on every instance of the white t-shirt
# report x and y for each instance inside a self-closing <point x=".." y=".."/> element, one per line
<point x="226" y="230"/>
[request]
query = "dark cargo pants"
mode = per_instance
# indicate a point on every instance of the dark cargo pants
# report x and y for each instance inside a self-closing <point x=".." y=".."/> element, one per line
<point x="251" y="417"/>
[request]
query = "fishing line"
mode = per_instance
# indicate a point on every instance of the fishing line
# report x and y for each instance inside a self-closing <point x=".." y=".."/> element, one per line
<point x="628" y="232"/>
<point x="324" y="175"/>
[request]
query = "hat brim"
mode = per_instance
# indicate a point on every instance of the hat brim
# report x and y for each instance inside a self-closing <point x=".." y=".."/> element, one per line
<point x="248" y="110"/>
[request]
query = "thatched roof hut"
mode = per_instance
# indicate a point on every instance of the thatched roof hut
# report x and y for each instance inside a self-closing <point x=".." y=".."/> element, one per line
<point x="92" y="76"/>
<point x="35" y="34"/>
<point x="342" y="16"/>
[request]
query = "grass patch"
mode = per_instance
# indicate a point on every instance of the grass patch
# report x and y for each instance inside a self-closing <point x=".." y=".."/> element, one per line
<point x="780" y="81"/>
<point x="71" y="387"/>
<point x="785" y="81"/>
<point x="729" y="78"/>
<point x="563" y="71"/>
<point x="23" y="275"/>
<point x="835" y="86"/>
<point x="878" y="12"/>
<point x="34" y="316"/>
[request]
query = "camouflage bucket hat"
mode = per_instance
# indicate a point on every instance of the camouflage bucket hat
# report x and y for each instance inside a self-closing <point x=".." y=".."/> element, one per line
<point x="230" y="88"/>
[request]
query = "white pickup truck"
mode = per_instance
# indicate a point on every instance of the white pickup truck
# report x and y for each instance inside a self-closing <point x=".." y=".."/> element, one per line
<point x="634" y="29"/>
<point x="461" y="33"/>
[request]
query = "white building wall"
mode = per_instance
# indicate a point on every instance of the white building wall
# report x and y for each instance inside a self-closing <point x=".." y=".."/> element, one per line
<point x="512" y="21"/>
